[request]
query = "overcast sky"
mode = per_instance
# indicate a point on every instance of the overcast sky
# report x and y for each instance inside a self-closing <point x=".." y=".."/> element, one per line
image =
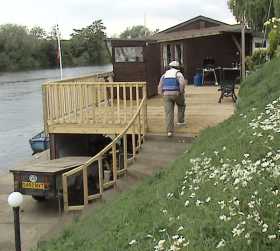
<point x="116" y="14"/>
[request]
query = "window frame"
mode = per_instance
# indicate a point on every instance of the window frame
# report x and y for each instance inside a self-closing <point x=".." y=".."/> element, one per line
<point x="142" y="59"/>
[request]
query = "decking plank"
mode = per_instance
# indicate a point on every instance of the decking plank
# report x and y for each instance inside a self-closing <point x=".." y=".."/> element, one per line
<point x="52" y="166"/>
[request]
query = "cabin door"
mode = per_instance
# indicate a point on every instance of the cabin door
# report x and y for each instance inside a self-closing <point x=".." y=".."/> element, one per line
<point x="153" y="71"/>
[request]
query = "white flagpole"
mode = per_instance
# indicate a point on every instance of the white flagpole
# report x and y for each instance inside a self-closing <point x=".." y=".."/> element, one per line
<point x="59" y="50"/>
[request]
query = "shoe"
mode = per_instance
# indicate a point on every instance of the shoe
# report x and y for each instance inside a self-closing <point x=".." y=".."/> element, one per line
<point x="181" y="123"/>
<point x="169" y="134"/>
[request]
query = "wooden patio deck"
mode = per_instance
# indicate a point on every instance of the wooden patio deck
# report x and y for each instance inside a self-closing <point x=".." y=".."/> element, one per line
<point x="110" y="116"/>
<point x="202" y="111"/>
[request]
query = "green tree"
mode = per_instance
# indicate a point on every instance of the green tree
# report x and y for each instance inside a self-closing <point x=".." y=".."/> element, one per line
<point x="38" y="32"/>
<point x="88" y="44"/>
<point x="16" y="48"/>
<point x="22" y="49"/>
<point x="254" y="11"/>
<point x="137" y="31"/>
<point x="276" y="4"/>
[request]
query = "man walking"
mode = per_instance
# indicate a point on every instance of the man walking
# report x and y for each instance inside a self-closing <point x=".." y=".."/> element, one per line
<point x="172" y="87"/>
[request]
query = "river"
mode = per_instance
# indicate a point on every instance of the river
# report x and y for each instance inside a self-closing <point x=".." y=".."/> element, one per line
<point x="21" y="109"/>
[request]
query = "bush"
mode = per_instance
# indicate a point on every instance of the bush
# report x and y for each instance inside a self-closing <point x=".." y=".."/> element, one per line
<point x="258" y="58"/>
<point x="274" y="36"/>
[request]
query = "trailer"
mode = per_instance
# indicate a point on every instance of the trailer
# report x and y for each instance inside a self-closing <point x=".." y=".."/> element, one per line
<point x="43" y="179"/>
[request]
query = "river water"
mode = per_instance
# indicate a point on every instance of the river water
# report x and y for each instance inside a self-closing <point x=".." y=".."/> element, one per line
<point x="21" y="109"/>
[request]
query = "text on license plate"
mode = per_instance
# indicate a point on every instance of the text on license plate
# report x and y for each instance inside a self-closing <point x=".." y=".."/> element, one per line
<point x="33" y="185"/>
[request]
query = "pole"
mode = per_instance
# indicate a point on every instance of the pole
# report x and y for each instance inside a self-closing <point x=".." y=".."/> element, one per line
<point x="17" y="228"/>
<point x="59" y="50"/>
<point x="243" y="54"/>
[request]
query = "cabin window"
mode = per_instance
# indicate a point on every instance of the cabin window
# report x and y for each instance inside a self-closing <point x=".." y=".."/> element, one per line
<point x="129" y="54"/>
<point x="169" y="53"/>
<point x="259" y="43"/>
<point x="179" y="53"/>
<point x="164" y="56"/>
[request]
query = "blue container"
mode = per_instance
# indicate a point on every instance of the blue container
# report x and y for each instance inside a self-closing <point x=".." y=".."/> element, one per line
<point x="39" y="142"/>
<point x="197" y="79"/>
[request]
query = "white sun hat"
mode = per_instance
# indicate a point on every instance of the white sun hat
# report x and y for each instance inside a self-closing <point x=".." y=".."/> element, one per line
<point x="174" y="64"/>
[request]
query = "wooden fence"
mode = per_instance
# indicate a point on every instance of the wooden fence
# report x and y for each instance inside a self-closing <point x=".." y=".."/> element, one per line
<point x="91" y="103"/>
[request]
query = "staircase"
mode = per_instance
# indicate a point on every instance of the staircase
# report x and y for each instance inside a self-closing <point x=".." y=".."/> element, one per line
<point x="157" y="153"/>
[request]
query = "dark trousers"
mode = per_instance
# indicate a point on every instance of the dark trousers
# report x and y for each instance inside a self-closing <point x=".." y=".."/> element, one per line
<point x="169" y="105"/>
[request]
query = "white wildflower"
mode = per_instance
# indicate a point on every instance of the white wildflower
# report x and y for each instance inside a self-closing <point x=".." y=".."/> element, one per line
<point x="272" y="237"/>
<point x="222" y="243"/>
<point x="208" y="199"/>
<point x="264" y="228"/>
<point x="132" y="242"/>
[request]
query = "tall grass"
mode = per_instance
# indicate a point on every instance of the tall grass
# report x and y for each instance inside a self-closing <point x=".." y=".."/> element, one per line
<point x="223" y="194"/>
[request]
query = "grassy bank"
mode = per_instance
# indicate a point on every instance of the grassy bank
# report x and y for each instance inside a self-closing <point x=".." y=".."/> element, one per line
<point x="223" y="194"/>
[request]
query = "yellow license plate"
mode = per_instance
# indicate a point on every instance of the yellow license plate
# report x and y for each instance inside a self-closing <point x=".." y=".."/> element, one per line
<point x="33" y="185"/>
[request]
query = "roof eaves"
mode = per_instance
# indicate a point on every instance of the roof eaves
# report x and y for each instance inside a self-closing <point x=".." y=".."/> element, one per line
<point x="170" y="39"/>
<point x="170" y="29"/>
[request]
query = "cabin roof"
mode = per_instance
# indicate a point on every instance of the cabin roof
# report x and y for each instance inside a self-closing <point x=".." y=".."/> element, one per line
<point x="193" y="20"/>
<point x="181" y="35"/>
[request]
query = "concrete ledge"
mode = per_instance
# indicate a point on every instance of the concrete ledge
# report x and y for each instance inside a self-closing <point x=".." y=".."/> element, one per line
<point x="179" y="138"/>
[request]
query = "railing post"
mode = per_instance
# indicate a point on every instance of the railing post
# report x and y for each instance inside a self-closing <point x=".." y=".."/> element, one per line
<point x="81" y="103"/>
<point x="145" y="122"/>
<point x="45" y="108"/>
<point x="85" y="185"/>
<point x="118" y="104"/>
<point x="139" y="130"/>
<point x="112" y="104"/>
<point x="100" y="173"/>
<point x="115" y="174"/>
<point x="125" y="151"/>
<point x="124" y="104"/>
<point x="65" y="192"/>
<point x="133" y="145"/>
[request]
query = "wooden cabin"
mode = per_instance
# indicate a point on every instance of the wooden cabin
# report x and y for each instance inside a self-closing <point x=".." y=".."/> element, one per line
<point x="191" y="43"/>
<point x="137" y="60"/>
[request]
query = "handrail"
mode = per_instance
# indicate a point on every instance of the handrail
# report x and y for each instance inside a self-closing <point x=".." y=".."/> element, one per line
<point x="108" y="147"/>
<point x="106" y="75"/>
<point x="141" y="126"/>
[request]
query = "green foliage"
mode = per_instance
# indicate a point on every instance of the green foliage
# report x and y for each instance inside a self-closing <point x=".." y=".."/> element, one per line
<point x="258" y="58"/>
<point x="274" y="39"/>
<point x="88" y="44"/>
<point x="274" y="35"/>
<point x="221" y="205"/>
<point x="15" y="46"/>
<point x="276" y="4"/>
<point x="38" y="33"/>
<point x="137" y="31"/>
<point x="254" y="11"/>
<point x="22" y="49"/>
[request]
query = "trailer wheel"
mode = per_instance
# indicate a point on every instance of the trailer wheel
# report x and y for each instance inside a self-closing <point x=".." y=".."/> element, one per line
<point x="39" y="198"/>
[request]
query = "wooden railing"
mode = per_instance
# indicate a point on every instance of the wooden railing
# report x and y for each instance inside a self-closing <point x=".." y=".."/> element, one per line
<point x="137" y="125"/>
<point x="98" y="77"/>
<point x="91" y="103"/>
